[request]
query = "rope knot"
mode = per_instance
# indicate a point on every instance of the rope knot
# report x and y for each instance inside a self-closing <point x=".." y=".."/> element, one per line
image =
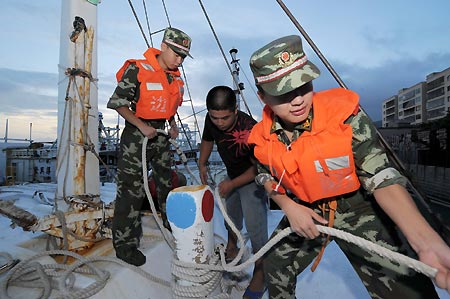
<point x="73" y="72"/>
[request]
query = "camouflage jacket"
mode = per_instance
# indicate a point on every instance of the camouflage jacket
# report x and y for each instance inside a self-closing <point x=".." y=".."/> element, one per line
<point x="127" y="90"/>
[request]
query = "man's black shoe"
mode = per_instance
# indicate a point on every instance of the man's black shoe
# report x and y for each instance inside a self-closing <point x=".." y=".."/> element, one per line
<point x="131" y="255"/>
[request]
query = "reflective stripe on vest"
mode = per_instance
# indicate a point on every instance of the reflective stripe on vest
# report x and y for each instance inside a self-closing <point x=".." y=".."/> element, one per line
<point x="333" y="163"/>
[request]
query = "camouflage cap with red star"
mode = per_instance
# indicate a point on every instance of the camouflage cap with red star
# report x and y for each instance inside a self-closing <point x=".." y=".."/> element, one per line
<point x="281" y="66"/>
<point x="178" y="41"/>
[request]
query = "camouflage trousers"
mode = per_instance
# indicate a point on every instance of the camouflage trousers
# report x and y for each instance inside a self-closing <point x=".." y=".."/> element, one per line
<point x="382" y="278"/>
<point x="127" y="227"/>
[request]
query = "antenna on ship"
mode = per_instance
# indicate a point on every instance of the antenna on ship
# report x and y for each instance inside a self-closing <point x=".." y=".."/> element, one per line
<point x="238" y="86"/>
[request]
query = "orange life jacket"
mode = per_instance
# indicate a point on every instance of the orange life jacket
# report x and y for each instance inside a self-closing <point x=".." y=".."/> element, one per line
<point x="158" y="98"/>
<point x="319" y="164"/>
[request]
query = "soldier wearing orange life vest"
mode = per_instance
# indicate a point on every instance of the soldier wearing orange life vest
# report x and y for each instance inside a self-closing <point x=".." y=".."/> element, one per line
<point x="319" y="155"/>
<point x="333" y="171"/>
<point x="159" y="98"/>
<point x="147" y="95"/>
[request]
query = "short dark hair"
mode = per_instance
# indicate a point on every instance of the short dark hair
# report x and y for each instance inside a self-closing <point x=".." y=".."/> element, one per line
<point x="221" y="98"/>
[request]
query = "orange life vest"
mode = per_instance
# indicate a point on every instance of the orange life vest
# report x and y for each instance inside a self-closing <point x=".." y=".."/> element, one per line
<point x="319" y="164"/>
<point x="158" y="98"/>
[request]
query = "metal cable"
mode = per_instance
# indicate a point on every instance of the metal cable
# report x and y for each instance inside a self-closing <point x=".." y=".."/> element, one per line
<point x="139" y="23"/>
<point x="148" y="23"/>
<point x="223" y="55"/>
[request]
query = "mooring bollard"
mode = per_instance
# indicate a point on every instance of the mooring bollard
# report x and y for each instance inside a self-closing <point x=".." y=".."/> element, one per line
<point x="190" y="210"/>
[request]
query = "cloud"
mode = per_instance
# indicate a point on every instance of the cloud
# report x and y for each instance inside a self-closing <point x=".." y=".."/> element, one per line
<point x="23" y="91"/>
<point x="378" y="83"/>
<point x="28" y="97"/>
<point x="37" y="91"/>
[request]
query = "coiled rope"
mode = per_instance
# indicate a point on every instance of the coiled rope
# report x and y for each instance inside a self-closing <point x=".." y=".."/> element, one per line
<point x="31" y="274"/>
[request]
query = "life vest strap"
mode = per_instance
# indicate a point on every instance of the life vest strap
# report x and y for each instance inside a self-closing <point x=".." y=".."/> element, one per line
<point x="332" y="206"/>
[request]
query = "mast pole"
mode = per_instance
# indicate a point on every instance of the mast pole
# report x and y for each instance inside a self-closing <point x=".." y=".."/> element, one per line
<point x="77" y="168"/>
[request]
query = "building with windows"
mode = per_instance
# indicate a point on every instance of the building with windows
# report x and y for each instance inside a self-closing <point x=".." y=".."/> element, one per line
<point x="438" y="95"/>
<point x="390" y="112"/>
<point x="410" y="107"/>
<point x="423" y="102"/>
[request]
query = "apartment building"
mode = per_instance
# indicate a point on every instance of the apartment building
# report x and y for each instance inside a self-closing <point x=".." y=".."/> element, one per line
<point x="390" y="112"/>
<point x="438" y="95"/>
<point x="424" y="101"/>
<point x="410" y="108"/>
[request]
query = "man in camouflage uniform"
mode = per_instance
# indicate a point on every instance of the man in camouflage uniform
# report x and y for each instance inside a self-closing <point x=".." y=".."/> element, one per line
<point x="319" y="154"/>
<point x="147" y="95"/>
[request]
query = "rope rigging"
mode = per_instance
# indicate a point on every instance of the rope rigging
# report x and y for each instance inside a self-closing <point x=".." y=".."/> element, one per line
<point x="148" y="23"/>
<point x="78" y="91"/>
<point x="223" y="55"/>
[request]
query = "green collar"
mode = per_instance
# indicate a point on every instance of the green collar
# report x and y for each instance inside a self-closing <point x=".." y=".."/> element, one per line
<point x="299" y="128"/>
<point x="305" y="125"/>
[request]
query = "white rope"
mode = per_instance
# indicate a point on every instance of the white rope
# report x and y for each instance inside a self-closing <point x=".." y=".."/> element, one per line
<point x="203" y="281"/>
<point x="167" y="235"/>
<point x="205" y="278"/>
<point x="380" y="250"/>
<point x="364" y="244"/>
<point x="31" y="274"/>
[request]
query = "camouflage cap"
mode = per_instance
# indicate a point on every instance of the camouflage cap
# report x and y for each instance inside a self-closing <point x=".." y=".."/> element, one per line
<point x="178" y="41"/>
<point x="281" y="66"/>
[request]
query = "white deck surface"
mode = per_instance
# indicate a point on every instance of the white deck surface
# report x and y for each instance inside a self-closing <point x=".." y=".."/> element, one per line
<point x="333" y="277"/>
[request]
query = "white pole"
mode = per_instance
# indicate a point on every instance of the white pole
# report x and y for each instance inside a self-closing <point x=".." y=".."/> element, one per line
<point x="77" y="166"/>
<point x="6" y="131"/>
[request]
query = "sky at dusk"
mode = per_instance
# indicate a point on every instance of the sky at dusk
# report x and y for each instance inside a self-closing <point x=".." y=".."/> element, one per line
<point x="376" y="47"/>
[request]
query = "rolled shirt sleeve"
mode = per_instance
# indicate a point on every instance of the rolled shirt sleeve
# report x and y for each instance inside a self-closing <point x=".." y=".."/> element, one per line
<point x="374" y="168"/>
